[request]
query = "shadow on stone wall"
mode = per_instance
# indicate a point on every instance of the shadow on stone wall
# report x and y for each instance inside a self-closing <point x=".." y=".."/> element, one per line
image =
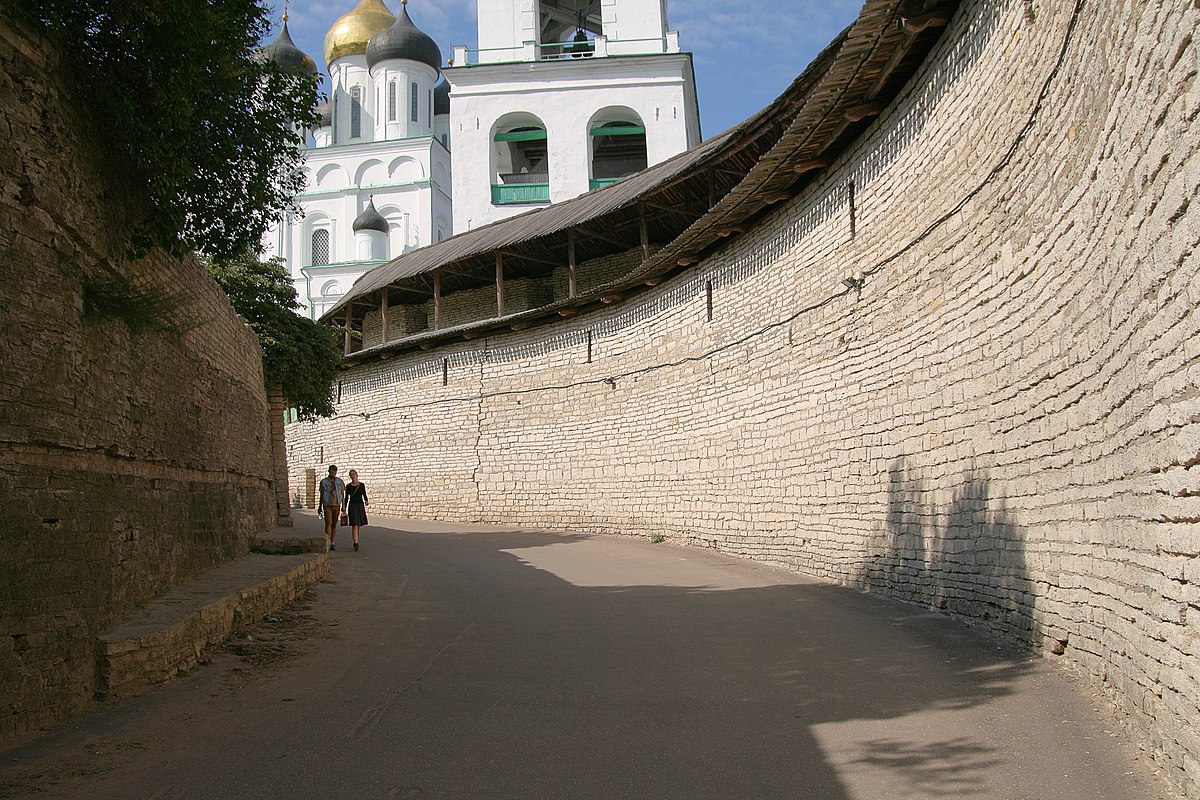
<point x="965" y="557"/>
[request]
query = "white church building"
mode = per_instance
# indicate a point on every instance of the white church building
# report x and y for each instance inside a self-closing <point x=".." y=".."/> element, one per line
<point x="559" y="98"/>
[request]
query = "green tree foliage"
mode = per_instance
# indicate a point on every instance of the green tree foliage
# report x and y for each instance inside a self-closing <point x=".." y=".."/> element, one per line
<point x="211" y="130"/>
<point x="299" y="355"/>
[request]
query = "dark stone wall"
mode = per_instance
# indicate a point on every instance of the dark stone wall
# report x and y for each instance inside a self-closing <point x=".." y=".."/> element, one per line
<point x="134" y="439"/>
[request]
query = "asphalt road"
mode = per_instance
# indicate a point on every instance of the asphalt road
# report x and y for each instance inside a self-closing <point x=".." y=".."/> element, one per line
<point x="447" y="661"/>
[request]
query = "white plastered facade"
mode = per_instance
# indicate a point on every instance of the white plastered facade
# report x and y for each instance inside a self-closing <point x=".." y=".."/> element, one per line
<point x="387" y="151"/>
<point x="524" y="75"/>
<point x="385" y="145"/>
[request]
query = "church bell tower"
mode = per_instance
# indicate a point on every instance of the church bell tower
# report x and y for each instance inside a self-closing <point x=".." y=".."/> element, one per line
<point x="563" y="97"/>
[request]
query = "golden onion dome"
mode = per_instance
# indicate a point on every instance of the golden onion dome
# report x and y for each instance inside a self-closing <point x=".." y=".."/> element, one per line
<point x="351" y="32"/>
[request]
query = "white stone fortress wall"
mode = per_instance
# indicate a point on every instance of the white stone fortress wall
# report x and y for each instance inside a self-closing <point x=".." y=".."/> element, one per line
<point x="1003" y="423"/>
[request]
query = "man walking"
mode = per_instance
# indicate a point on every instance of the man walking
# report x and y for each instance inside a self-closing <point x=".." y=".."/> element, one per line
<point x="333" y="500"/>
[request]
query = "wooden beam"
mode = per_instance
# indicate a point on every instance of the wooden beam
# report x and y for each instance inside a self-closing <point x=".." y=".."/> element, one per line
<point x="409" y="289"/>
<point x="937" y="18"/>
<point x="682" y="211"/>
<point x="594" y="234"/>
<point x="437" y="299"/>
<point x="609" y="299"/>
<point x="526" y="257"/>
<point x="810" y="164"/>
<point x="383" y="314"/>
<point x="837" y="134"/>
<point x="687" y="261"/>
<point x="568" y="312"/>
<point x="349" y="322"/>
<point x="864" y="111"/>
<point x="457" y="273"/>
<point x="912" y="27"/>
<point x="571" y="284"/>
<point x="499" y="284"/>
<point x="730" y="231"/>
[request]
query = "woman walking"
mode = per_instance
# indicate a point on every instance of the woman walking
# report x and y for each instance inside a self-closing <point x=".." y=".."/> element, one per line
<point x="356" y="503"/>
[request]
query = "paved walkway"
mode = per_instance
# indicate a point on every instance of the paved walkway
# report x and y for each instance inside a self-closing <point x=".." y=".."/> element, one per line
<point x="449" y="661"/>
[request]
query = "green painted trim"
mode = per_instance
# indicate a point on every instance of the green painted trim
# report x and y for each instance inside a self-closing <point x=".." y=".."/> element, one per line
<point x="521" y="136"/>
<point x="619" y="130"/>
<point x="512" y="193"/>
<point x="600" y="183"/>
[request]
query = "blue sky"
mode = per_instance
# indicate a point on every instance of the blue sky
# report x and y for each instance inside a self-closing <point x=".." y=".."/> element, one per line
<point x="745" y="51"/>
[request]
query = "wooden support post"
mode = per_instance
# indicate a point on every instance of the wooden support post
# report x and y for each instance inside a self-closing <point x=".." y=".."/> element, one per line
<point x="383" y="314"/>
<point x="349" y="323"/>
<point x="499" y="284"/>
<point x="571" y="285"/>
<point x="643" y="232"/>
<point x="437" y="299"/>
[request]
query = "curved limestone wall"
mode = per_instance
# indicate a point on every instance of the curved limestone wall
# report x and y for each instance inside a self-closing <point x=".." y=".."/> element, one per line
<point x="1002" y="421"/>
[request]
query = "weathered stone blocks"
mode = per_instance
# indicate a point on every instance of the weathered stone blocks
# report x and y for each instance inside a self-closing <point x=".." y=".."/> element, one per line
<point x="133" y="454"/>
<point x="1002" y="424"/>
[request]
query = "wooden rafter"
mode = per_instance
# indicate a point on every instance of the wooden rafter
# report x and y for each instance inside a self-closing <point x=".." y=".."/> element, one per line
<point x="528" y="257"/>
<point x="591" y="233"/>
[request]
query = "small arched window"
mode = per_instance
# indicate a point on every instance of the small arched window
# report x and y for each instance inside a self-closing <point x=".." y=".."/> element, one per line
<point x="355" y="112"/>
<point x="414" y="102"/>
<point x="391" y="102"/>
<point x="320" y="247"/>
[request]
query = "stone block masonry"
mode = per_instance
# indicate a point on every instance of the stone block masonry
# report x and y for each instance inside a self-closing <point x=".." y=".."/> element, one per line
<point x="1003" y="422"/>
<point x="134" y="440"/>
<point x="173" y="633"/>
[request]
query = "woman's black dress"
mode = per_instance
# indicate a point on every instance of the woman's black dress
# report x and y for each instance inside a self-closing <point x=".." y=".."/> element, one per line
<point x="356" y="500"/>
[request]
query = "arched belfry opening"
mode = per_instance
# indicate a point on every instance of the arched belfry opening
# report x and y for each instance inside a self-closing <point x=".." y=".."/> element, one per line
<point x="567" y="28"/>
<point x="618" y="146"/>
<point x="520" y="163"/>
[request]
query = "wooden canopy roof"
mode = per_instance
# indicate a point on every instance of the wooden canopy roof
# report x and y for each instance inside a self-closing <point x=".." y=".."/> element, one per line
<point x="681" y="209"/>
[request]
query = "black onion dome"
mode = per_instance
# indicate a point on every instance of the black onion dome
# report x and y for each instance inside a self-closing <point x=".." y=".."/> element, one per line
<point x="325" y="111"/>
<point x="403" y="40"/>
<point x="370" y="219"/>
<point x="283" y="51"/>
<point x="441" y="98"/>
